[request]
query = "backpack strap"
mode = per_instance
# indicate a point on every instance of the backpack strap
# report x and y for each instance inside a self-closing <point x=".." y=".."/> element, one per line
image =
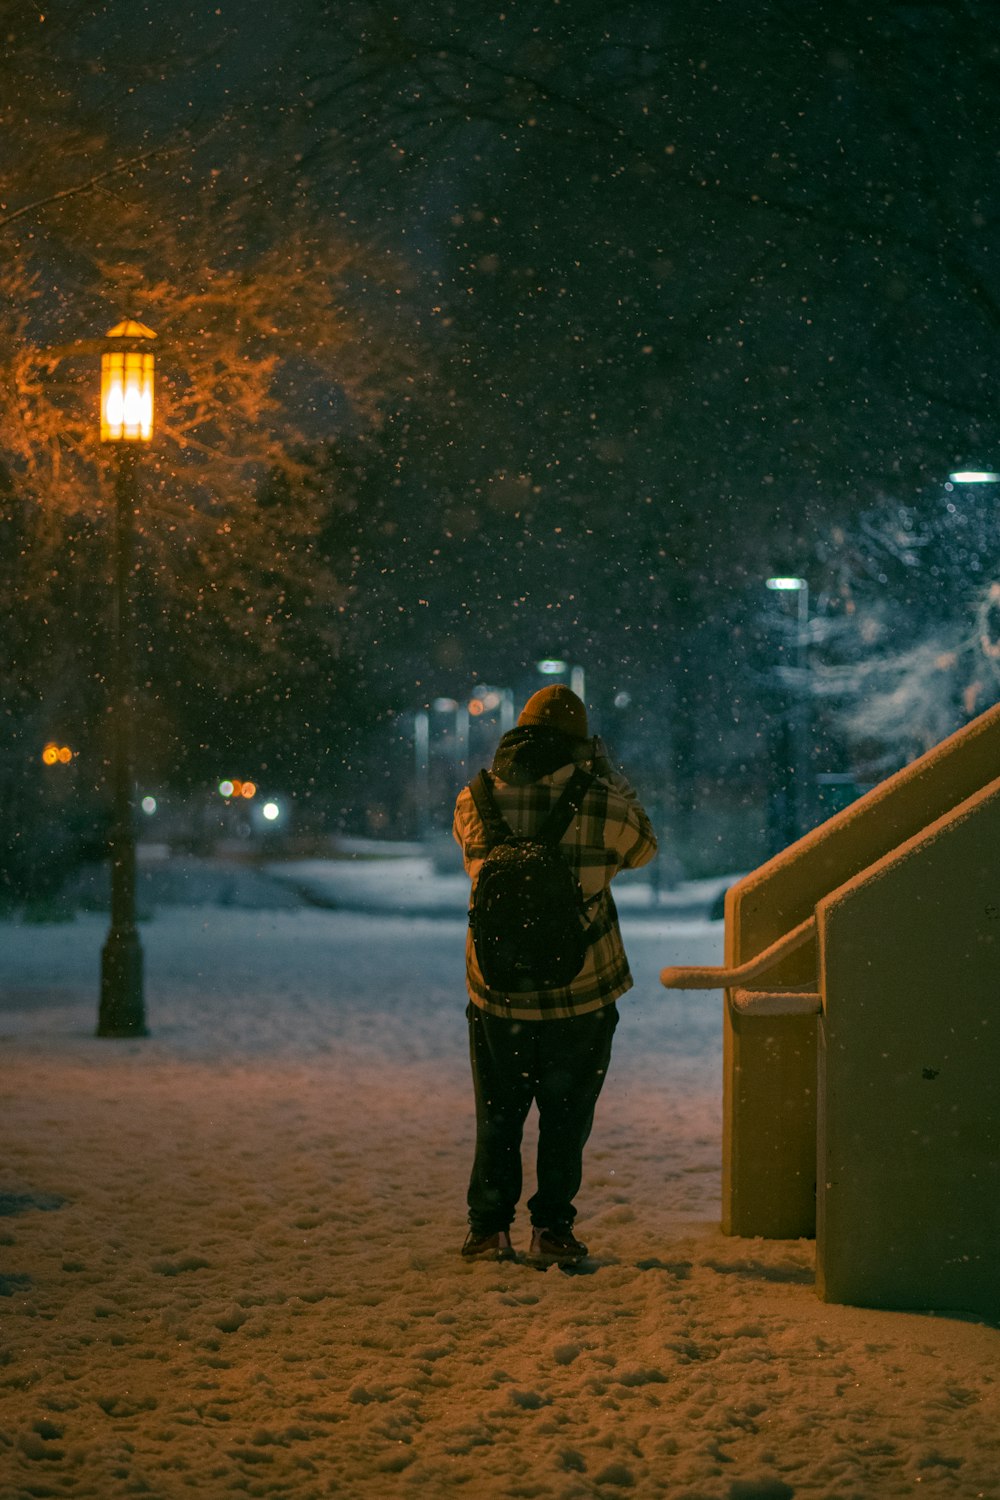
<point x="559" y="819"/>
<point x="497" y="828"/>
<point x="566" y="809"/>
<point x="556" y="822"/>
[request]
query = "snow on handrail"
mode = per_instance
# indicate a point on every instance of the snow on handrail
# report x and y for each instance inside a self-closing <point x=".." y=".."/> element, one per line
<point x="677" y="978"/>
<point x="776" y="1002"/>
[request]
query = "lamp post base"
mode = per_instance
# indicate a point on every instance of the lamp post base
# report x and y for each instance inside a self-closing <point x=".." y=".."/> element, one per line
<point x="122" y="1011"/>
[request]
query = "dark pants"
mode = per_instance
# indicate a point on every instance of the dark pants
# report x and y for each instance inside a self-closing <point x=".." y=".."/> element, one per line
<point x="561" y="1064"/>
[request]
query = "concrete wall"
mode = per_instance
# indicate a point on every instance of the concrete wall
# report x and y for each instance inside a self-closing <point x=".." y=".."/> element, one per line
<point x="769" y="1084"/>
<point x="909" y="1073"/>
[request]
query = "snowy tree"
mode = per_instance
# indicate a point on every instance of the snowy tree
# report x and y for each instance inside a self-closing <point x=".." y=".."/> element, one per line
<point x="270" y="352"/>
<point x="912" y="640"/>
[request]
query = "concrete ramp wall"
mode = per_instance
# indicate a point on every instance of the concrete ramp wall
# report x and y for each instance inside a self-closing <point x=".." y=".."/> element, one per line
<point x="770" y="1062"/>
<point x="908" y="1145"/>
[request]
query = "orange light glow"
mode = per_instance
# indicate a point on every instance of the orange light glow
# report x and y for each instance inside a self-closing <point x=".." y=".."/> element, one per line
<point x="475" y="707"/>
<point x="236" y="788"/>
<point x="56" y="755"/>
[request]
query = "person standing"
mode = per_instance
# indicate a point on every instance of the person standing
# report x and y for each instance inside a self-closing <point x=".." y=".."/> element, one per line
<point x="550" y="1045"/>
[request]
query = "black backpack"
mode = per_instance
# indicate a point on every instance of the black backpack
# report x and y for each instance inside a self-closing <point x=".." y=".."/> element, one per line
<point x="527" y="914"/>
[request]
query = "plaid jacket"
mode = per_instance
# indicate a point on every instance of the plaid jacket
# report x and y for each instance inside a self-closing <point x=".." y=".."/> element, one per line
<point x="611" y="833"/>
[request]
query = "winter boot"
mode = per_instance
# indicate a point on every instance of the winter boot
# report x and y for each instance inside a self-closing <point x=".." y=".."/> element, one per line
<point x="550" y="1247"/>
<point x="495" y="1246"/>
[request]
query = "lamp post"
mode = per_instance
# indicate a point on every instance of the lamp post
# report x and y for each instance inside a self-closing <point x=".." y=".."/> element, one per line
<point x="800" y="587"/>
<point x="797" y="802"/>
<point x="422" y="769"/>
<point x="126" y="422"/>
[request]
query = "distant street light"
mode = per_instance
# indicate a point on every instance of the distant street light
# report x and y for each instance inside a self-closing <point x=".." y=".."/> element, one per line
<point x="795" y="825"/>
<point x="553" y="666"/>
<point x="422" y="769"/>
<point x="797" y="586"/>
<point x="974" y="476"/>
<point x="462" y="712"/>
<point x="126" y="420"/>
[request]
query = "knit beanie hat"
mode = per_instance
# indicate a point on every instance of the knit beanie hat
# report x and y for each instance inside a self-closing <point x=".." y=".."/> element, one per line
<point x="556" y="707"/>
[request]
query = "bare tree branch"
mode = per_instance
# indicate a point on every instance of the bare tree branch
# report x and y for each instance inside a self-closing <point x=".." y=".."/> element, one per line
<point x="86" y="187"/>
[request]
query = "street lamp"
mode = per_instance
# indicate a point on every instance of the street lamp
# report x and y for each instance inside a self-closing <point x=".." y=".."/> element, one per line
<point x="460" y="711"/>
<point x="422" y="769"/>
<point x="127" y="422"/>
<point x="800" y="587"/>
<point x="553" y="666"/>
<point x="797" y="803"/>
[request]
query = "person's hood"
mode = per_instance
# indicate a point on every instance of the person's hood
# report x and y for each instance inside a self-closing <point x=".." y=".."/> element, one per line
<point x="530" y="751"/>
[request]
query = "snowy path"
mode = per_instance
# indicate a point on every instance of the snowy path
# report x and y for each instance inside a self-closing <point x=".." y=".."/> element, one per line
<point x="229" y="1252"/>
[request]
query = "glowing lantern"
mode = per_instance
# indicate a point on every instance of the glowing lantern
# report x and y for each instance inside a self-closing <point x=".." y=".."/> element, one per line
<point x="127" y="385"/>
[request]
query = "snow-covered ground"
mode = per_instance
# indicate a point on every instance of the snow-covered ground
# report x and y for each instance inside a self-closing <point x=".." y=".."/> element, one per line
<point x="418" y="886"/>
<point x="230" y="1251"/>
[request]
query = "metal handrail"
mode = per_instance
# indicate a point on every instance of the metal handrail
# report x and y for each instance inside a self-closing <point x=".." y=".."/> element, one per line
<point x="704" y="978"/>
